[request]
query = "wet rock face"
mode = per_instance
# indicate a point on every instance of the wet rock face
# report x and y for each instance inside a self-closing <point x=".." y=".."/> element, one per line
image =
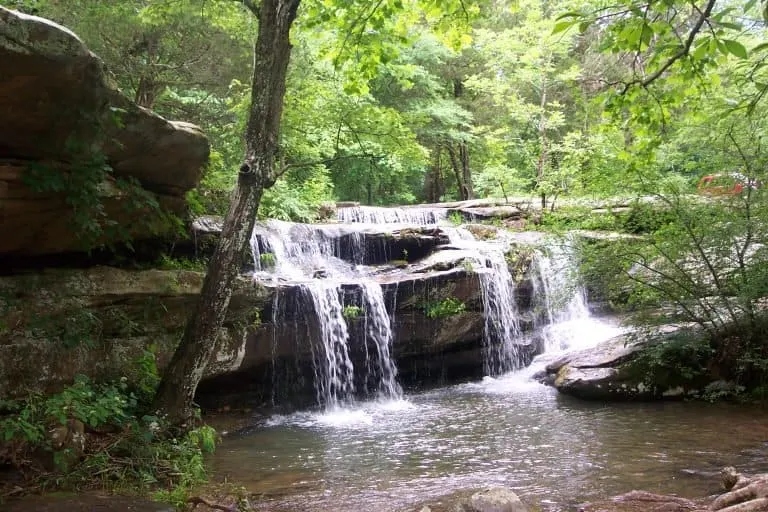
<point x="61" y="114"/>
<point x="610" y="371"/>
<point x="597" y="373"/>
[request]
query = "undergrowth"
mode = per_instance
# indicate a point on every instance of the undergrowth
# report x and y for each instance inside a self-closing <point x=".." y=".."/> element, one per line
<point x="100" y="436"/>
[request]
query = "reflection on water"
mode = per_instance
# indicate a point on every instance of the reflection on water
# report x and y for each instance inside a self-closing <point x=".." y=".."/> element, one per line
<point x="552" y="450"/>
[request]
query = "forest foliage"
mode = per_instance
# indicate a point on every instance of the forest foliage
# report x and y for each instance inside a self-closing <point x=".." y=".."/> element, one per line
<point x="573" y="98"/>
<point x="399" y="101"/>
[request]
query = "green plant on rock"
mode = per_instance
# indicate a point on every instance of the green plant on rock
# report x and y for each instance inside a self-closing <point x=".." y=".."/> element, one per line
<point x="670" y="361"/>
<point x="456" y="218"/>
<point x="444" y="308"/>
<point x="267" y="260"/>
<point x="519" y="260"/>
<point x="352" y="312"/>
<point x="166" y="262"/>
<point x="85" y="186"/>
<point x="81" y="327"/>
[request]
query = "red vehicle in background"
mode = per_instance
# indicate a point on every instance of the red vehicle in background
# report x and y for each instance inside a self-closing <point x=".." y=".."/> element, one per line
<point x="730" y="184"/>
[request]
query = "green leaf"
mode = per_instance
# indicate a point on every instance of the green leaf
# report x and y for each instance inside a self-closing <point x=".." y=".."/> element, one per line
<point x="562" y="26"/>
<point x="736" y="48"/>
<point x="569" y="14"/>
<point x="701" y="50"/>
<point x="761" y="47"/>
<point x="732" y="26"/>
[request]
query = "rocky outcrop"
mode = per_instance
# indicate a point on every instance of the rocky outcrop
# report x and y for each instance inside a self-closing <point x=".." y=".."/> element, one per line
<point x="495" y="499"/>
<point x="598" y="373"/>
<point x="743" y="493"/>
<point x="492" y="499"/>
<point x="64" y="121"/>
<point x="100" y="321"/>
<point x="615" y="370"/>
<point x="642" y="501"/>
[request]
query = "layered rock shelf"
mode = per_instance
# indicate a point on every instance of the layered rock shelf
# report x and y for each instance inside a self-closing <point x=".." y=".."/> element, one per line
<point x="99" y="321"/>
<point x="63" y="117"/>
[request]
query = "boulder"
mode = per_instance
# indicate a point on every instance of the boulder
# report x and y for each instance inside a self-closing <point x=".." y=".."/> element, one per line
<point x="608" y="371"/>
<point x="62" y="116"/>
<point x="597" y="373"/>
<point x="495" y="499"/>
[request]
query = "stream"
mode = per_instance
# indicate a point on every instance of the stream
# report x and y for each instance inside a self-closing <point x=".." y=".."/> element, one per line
<point x="405" y="449"/>
<point x="553" y="451"/>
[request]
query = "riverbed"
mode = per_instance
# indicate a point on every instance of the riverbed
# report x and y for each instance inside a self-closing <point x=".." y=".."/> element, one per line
<point x="554" y="451"/>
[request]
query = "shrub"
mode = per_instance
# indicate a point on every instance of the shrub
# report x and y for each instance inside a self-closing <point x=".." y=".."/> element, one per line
<point x="94" y="429"/>
<point x="352" y="312"/>
<point x="444" y="308"/>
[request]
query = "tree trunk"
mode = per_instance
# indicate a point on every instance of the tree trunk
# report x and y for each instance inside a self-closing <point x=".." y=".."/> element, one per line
<point x="272" y="52"/>
<point x="146" y="91"/>
<point x="543" y="137"/>
<point x="433" y="181"/>
<point x="466" y="172"/>
<point x="457" y="171"/>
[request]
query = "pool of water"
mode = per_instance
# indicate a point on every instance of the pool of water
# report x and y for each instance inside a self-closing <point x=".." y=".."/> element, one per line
<point x="554" y="451"/>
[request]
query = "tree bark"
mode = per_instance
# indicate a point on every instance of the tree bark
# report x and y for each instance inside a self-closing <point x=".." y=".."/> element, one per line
<point x="457" y="171"/>
<point x="272" y="52"/>
<point x="433" y="180"/>
<point x="466" y="172"/>
<point x="544" y="143"/>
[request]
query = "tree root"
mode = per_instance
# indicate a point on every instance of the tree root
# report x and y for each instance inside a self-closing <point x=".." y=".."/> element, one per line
<point x="746" y="494"/>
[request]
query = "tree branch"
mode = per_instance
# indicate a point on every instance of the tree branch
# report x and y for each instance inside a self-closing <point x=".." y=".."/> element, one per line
<point x="285" y="167"/>
<point x="680" y="54"/>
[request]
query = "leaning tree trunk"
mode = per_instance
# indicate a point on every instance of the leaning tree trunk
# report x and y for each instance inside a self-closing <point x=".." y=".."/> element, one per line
<point x="272" y="52"/>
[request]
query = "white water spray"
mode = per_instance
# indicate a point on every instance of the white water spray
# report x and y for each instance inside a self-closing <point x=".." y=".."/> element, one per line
<point x="378" y="215"/>
<point x="308" y="256"/>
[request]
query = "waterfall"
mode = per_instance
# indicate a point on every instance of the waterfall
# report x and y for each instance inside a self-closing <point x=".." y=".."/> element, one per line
<point x="343" y="297"/>
<point x="501" y="330"/>
<point x="333" y="369"/>
<point x="379" y="215"/>
<point x="378" y="330"/>
<point x="563" y="318"/>
<point x="502" y="327"/>
<point x="307" y="256"/>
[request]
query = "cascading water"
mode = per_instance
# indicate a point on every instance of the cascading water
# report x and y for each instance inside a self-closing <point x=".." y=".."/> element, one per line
<point x="563" y="319"/>
<point x="307" y="256"/>
<point x="378" y="330"/>
<point x="334" y="372"/>
<point x="377" y="215"/>
<point x="502" y="326"/>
